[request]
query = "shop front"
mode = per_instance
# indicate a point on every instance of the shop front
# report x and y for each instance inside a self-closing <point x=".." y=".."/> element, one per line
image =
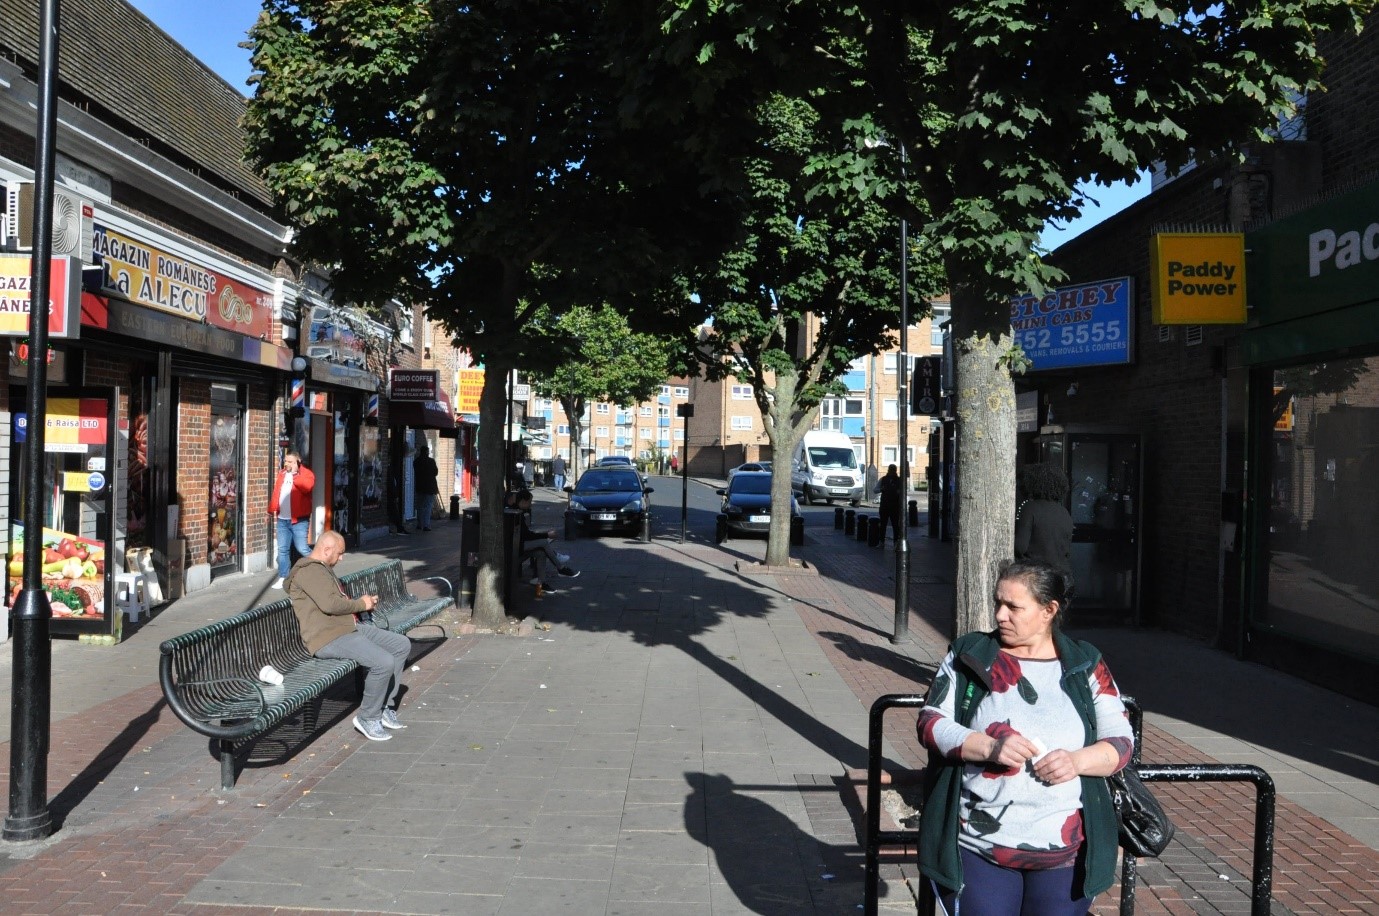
<point x="1311" y="359"/>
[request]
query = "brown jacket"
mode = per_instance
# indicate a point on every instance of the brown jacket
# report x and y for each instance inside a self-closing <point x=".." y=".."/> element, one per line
<point x="324" y="611"/>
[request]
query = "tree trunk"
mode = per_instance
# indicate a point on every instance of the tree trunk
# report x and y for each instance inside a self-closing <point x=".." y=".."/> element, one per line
<point x="489" y="610"/>
<point x="985" y="407"/>
<point x="782" y="438"/>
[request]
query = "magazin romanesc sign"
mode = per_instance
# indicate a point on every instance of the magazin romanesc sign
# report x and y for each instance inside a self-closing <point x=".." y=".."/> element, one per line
<point x="1085" y="325"/>
<point x="1197" y="277"/>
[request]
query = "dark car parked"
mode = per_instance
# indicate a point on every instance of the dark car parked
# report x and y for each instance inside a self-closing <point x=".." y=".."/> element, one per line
<point x="608" y="499"/>
<point x="747" y="505"/>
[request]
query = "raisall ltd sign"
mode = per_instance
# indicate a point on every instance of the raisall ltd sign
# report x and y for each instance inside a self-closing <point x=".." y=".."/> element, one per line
<point x="149" y="276"/>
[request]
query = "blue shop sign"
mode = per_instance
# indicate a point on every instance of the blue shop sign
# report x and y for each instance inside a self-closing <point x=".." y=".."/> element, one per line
<point x="1085" y="325"/>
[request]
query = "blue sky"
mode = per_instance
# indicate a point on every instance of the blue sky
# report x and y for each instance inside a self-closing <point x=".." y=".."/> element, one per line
<point x="213" y="31"/>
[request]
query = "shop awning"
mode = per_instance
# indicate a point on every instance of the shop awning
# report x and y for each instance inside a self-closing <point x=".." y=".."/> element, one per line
<point x="437" y="415"/>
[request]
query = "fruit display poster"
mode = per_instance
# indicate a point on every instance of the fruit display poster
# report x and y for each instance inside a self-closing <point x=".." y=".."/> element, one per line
<point x="73" y="573"/>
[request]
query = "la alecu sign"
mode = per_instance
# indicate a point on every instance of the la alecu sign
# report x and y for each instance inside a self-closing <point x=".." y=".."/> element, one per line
<point x="1197" y="278"/>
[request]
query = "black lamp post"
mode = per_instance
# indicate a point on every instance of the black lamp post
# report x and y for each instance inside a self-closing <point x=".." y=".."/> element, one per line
<point x="29" y="818"/>
<point x="902" y="543"/>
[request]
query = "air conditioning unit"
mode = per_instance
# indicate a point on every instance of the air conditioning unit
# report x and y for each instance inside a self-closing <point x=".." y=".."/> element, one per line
<point x="72" y="217"/>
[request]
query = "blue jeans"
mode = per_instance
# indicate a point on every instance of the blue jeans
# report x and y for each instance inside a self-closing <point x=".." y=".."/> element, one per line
<point x="425" y="503"/>
<point x="289" y="536"/>
<point x="994" y="890"/>
<point x="384" y="654"/>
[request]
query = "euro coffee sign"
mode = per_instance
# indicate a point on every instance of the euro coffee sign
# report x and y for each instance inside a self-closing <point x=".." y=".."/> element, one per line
<point x="1197" y="278"/>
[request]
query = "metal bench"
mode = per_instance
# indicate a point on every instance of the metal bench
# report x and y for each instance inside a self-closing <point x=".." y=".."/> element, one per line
<point x="210" y="675"/>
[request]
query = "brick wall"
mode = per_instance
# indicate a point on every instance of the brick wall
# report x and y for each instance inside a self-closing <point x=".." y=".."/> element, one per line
<point x="192" y="421"/>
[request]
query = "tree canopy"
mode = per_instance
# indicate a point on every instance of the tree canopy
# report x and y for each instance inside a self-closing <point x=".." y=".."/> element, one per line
<point x="1005" y="110"/>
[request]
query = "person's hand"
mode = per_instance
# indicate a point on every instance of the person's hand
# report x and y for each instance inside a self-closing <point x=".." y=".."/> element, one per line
<point x="1055" y="767"/>
<point x="1012" y="750"/>
<point x="370" y="601"/>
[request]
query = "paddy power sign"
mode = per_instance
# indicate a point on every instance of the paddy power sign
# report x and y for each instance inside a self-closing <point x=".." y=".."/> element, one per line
<point x="1197" y="278"/>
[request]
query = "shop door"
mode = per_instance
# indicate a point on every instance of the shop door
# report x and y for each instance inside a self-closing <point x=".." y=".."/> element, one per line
<point x="409" y="476"/>
<point x="225" y="528"/>
<point x="1104" y="473"/>
<point x="76" y="507"/>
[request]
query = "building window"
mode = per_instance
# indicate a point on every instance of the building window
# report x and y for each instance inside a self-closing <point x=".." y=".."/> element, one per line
<point x="936" y="322"/>
<point x="681" y="391"/>
<point x="742" y="392"/>
<point x="888" y="411"/>
<point x="562" y="430"/>
<point x="602" y="409"/>
<point x="665" y="389"/>
<point x="742" y="422"/>
<point x="644" y="432"/>
<point x="543" y="404"/>
<point x="888" y="363"/>
<point x="601" y="432"/>
<point x="645" y="410"/>
<point x="663" y="412"/>
<point x="859" y="364"/>
<point x="830" y="414"/>
<point x="679" y="435"/>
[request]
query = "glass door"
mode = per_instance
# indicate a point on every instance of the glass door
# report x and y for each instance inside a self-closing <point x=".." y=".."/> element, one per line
<point x="223" y="548"/>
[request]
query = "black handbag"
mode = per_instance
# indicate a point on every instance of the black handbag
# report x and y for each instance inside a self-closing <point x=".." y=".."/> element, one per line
<point x="1145" y="829"/>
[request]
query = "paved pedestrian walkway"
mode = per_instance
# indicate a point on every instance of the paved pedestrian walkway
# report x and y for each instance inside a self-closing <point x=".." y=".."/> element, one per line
<point x="679" y="741"/>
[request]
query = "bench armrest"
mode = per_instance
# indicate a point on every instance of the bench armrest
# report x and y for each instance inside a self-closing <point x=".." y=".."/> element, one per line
<point x="198" y="724"/>
<point x="449" y="588"/>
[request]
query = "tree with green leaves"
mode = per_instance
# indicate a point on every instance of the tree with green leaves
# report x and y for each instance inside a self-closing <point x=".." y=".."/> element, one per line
<point x="1004" y="110"/>
<point x="811" y="284"/>
<point x="605" y="360"/>
<point x="475" y="158"/>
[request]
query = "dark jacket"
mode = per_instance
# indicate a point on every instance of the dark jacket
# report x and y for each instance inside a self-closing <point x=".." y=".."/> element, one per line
<point x="1044" y="531"/>
<point x="424" y="473"/>
<point x="889" y="487"/>
<point x="974" y="655"/>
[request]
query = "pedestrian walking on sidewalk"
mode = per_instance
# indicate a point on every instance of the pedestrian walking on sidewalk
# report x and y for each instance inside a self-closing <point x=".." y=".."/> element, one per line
<point x="539" y="547"/>
<point x="1043" y="527"/>
<point x="1022" y="725"/>
<point x="290" y="504"/>
<point x="327" y="618"/>
<point x="890" y="488"/>
<point x="424" y="473"/>
<point x="558" y="472"/>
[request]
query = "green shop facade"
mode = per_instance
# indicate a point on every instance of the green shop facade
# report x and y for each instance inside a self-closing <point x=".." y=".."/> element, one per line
<point x="1310" y="359"/>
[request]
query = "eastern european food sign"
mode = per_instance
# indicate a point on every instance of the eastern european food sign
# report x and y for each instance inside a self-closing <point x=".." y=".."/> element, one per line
<point x="1089" y="324"/>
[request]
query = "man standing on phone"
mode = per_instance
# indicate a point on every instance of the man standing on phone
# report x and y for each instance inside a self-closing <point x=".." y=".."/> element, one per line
<point x="290" y="504"/>
<point x="327" y="615"/>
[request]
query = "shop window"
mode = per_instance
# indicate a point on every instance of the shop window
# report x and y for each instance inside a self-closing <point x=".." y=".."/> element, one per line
<point x="1319" y="493"/>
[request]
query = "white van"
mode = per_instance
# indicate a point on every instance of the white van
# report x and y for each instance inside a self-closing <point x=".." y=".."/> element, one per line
<point x="825" y="468"/>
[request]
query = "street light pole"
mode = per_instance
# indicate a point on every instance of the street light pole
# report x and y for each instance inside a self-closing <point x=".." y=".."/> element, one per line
<point x="902" y="543"/>
<point x="31" y="691"/>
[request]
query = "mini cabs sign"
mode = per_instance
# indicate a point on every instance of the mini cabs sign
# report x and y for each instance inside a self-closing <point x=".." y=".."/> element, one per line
<point x="1197" y="277"/>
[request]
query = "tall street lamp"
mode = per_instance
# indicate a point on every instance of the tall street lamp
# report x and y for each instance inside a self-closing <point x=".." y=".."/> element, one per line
<point x="31" y="694"/>
<point x="902" y="543"/>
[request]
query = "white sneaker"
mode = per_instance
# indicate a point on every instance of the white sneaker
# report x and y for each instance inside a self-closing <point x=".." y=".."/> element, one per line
<point x="278" y="585"/>
<point x="371" y="729"/>
<point x="562" y="558"/>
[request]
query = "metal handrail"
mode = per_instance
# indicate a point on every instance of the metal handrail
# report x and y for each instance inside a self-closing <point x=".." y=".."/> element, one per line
<point x="875" y="836"/>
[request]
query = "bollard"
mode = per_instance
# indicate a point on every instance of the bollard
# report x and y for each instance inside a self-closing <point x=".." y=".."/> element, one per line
<point x="646" y="526"/>
<point x="454" y="507"/>
<point x="863" y="521"/>
<point x="797" y="530"/>
<point x="838" y="517"/>
<point x="876" y="531"/>
<point x="849" y="521"/>
<point x="914" y="513"/>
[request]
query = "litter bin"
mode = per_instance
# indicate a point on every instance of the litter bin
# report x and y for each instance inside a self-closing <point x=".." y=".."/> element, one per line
<point x="469" y="554"/>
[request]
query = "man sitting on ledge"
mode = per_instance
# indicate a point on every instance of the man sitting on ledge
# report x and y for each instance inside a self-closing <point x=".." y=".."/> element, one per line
<point x="330" y="630"/>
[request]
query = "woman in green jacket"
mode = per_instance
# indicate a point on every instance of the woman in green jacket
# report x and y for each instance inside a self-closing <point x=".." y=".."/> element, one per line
<point x="1022" y="725"/>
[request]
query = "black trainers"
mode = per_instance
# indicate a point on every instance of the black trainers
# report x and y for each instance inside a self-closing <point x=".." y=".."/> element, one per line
<point x="549" y="590"/>
<point x="569" y="573"/>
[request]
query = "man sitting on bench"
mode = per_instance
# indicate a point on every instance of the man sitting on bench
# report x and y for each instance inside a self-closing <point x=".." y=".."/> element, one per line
<point x="538" y="546"/>
<point x="329" y="630"/>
